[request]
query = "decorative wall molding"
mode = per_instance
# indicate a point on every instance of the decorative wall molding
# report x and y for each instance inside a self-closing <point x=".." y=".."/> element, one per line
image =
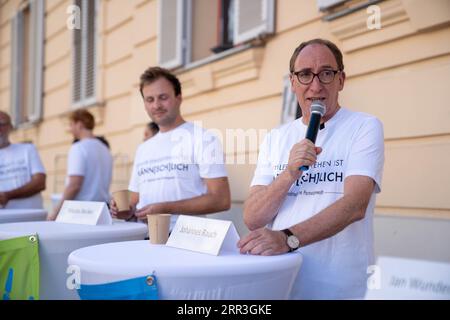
<point x="354" y="34"/>
<point x="399" y="18"/>
<point x="230" y="70"/>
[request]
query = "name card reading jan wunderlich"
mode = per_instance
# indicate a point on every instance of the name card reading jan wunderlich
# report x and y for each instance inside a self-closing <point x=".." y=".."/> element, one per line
<point x="203" y="235"/>
<point x="400" y="278"/>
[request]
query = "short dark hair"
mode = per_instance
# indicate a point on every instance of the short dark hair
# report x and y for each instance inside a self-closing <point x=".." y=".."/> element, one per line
<point x="85" y="117"/>
<point x="330" y="45"/>
<point x="153" y="126"/>
<point x="154" y="73"/>
<point x="7" y="116"/>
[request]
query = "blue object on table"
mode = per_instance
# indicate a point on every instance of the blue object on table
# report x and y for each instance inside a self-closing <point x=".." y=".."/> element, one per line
<point x="142" y="288"/>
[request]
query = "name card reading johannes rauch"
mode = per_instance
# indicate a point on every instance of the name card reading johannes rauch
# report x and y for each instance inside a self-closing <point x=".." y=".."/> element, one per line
<point x="203" y="235"/>
<point x="84" y="212"/>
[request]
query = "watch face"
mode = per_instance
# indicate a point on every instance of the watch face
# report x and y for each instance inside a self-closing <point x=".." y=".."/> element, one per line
<point x="293" y="242"/>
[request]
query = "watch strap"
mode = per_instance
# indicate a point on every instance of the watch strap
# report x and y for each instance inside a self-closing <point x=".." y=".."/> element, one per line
<point x="287" y="232"/>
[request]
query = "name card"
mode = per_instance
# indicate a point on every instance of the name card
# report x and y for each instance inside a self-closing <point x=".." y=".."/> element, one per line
<point x="84" y="212"/>
<point x="397" y="278"/>
<point x="203" y="235"/>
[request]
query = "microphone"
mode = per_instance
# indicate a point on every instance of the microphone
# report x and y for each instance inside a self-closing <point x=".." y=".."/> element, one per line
<point x="318" y="110"/>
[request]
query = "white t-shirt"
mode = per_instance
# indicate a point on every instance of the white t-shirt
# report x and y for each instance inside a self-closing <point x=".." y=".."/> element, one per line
<point x="353" y="144"/>
<point x="18" y="163"/>
<point x="91" y="159"/>
<point x="170" y="166"/>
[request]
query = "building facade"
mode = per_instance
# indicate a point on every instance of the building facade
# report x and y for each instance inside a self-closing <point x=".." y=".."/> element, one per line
<point x="232" y="57"/>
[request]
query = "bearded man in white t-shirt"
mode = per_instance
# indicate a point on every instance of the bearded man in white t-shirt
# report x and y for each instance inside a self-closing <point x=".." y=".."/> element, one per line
<point x="22" y="175"/>
<point x="180" y="170"/>
<point x="325" y="212"/>
<point x="89" y="164"/>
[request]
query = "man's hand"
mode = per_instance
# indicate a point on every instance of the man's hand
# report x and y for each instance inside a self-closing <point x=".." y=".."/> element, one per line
<point x="52" y="216"/>
<point x="115" y="213"/>
<point x="3" y="199"/>
<point x="303" y="153"/>
<point x="153" y="208"/>
<point x="264" y="242"/>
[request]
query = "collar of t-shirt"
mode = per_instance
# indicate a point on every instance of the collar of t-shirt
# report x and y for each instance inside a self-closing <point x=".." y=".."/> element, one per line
<point x="162" y="134"/>
<point x="327" y="124"/>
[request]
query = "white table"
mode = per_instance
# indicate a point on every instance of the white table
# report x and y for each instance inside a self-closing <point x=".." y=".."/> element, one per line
<point x="183" y="274"/>
<point x="57" y="240"/>
<point x="19" y="215"/>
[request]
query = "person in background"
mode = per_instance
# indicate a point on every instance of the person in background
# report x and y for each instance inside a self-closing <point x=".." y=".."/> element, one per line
<point x="22" y="175"/>
<point x="151" y="129"/>
<point x="102" y="139"/>
<point x="89" y="164"/>
<point x="180" y="170"/>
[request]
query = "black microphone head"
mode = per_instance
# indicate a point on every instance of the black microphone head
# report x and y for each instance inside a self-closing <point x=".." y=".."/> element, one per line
<point x="318" y="107"/>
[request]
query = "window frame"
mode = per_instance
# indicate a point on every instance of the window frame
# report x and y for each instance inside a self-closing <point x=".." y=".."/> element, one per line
<point x="35" y="55"/>
<point x="180" y="42"/>
<point x="184" y="39"/>
<point x="267" y="27"/>
<point x="325" y="5"/>
<point x="224" y="22"/>
<point x="290" y="110"/>
<point x="85" y="101"/>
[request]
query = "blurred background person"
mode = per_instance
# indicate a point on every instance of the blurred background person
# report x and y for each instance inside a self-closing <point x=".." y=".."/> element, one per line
<point x="22" y="175"/>
<point x="89" y="164"/>
<point x="151" y="129"/>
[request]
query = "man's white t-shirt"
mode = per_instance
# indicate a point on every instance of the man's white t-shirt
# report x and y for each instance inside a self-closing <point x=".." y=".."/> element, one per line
<point x="91" y="159"/>
<point x="171" y="165"/>
<point x="353" y="144"/>
<point x="18" y="163"/>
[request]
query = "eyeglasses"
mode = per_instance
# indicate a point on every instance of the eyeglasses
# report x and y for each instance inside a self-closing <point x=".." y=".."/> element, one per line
<point x="325" y="76"/>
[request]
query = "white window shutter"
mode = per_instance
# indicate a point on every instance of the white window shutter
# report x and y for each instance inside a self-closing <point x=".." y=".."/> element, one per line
<point x="90" y="63"/>
<point x="325" y="4"/>
<point x="84" y="55"/>
<point x="77" y="59"/>
<point x="170" y="33"/>
<point x="253" y="18"/>
<point x="16" y="67"/>
<point x="36" y="60"/>
<point x="289" y="111"/>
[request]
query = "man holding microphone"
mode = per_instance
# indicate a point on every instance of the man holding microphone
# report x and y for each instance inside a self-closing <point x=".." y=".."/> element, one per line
<point x="321" y="196"/>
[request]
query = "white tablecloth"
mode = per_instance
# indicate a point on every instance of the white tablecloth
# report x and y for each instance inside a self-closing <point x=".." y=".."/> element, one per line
<point x="57" y="240"/>
<point x="19" y="215"/>
<point x="185" y="274"/>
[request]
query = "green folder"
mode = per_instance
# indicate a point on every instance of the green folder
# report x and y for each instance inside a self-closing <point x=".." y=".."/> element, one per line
<point x="19" y="268"/>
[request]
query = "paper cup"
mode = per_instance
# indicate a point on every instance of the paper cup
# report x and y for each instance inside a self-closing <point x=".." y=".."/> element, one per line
<point x="158" y="227"/>
<point x="122" y="199"/>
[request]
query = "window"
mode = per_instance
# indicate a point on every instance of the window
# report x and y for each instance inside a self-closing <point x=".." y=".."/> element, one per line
<point x="27" y="63"/>
<point x="192" y="30"/>
<point x="84" y="50"/>
<point x="335" y="9"/>
<point x="327" y="4"/>
<point x="291" y="109"/>
<point x="225" y="30"/>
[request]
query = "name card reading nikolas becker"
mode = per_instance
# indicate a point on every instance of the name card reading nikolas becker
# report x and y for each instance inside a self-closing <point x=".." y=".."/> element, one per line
<point x="84" y="212"/>
<point x="398" y="278"/>
<point x="203" y="235"/>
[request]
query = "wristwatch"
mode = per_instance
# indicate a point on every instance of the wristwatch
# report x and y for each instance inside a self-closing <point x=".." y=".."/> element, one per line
<point x="292" y="241"/>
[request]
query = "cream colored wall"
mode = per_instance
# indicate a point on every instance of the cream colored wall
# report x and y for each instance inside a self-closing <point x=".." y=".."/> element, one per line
<point x="399" y="73"/>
